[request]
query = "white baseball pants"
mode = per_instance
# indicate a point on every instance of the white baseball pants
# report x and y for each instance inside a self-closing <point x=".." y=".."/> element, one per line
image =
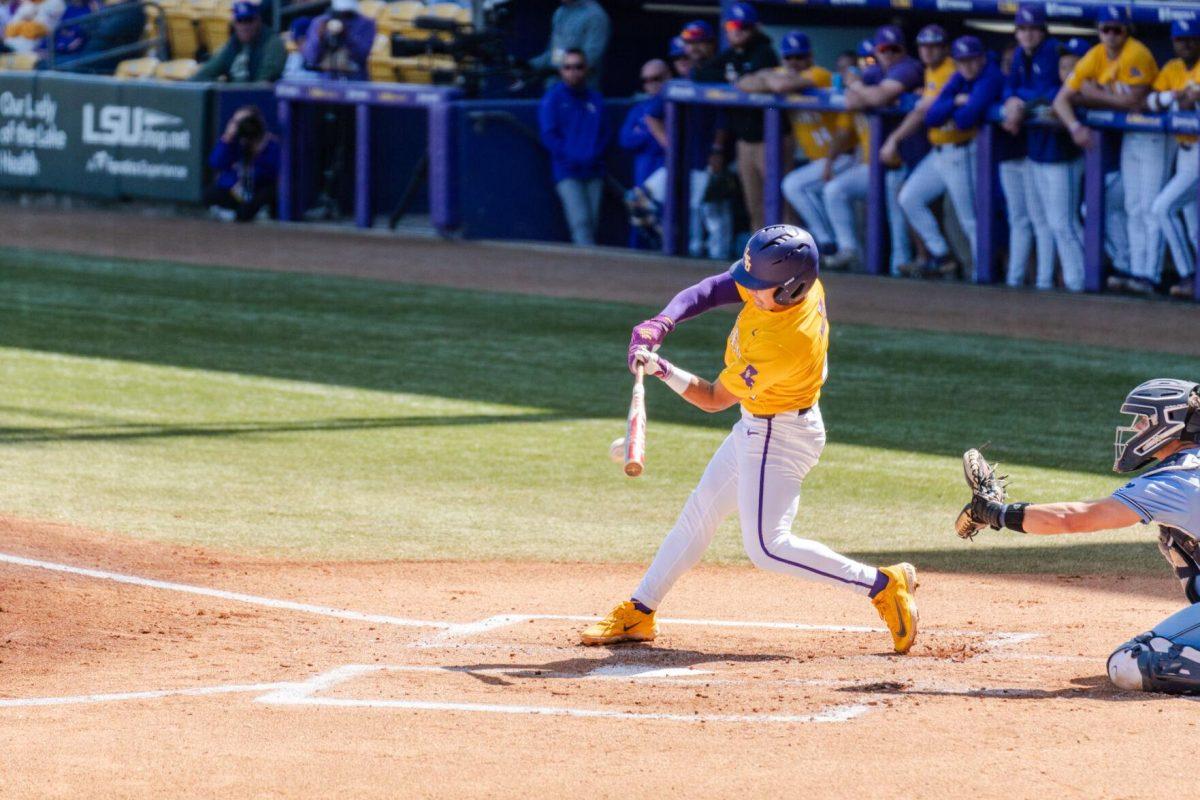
<point x="1026" y="223"/>
<point x="840" y="194"/>
<point x="1143" y="170"/>
<point x="893" y="181"/>
<point x="1180" y="195"/>
<point x="1054" y="188"/>
<point x="1116" y="223"/>
<point x="713" y="219"/>
<point x="756" y="472"/>
<point x="803" y="187"/>
<point x="949" y="170"/>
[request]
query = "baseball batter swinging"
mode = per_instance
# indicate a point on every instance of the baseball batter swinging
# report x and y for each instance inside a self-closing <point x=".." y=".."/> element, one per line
<point x="1164" y="432"/>
<point x="775" y="365"/>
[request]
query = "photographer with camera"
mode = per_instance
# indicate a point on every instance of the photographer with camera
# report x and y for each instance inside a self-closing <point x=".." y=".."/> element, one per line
<point x="246" y="160"/>
<point x="339" y="43"/>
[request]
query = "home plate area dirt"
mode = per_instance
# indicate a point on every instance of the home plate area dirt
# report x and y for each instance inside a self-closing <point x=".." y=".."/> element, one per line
<point x="144" y="670"/>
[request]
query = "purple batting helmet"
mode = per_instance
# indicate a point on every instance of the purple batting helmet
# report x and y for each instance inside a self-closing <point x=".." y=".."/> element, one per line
<point x="780" y="257"/>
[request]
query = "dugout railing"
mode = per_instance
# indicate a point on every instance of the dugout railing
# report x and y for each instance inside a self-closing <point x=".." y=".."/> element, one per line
<point x="680" y="95"/>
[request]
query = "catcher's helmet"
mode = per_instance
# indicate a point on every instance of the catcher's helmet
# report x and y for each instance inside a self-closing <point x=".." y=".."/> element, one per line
<point x="1163" y="410"/>
<point x="782" y="256"/>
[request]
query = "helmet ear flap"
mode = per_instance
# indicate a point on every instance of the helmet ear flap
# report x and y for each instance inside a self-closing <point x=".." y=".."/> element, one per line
<point x="791" y="291"/>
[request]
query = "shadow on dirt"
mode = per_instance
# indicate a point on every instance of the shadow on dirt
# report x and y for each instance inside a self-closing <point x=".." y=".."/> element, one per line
<point x="1091" y="687"/>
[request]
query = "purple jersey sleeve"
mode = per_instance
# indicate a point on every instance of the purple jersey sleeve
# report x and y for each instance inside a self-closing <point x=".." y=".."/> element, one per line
<point x="718" y="290"/>
<point x="908" y="73"/>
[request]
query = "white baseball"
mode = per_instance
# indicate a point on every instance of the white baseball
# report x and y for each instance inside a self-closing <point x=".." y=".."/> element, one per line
<point x="616" y="450"/>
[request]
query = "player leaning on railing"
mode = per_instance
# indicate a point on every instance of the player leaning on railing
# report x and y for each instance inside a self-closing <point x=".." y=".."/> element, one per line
<point x="1164" y="431"/>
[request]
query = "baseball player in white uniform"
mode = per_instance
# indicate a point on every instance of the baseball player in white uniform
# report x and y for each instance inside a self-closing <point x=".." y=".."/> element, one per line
<point x="1163" y="434"/>
<point x="1118" y="74"/>
<point x="775" y="365"/>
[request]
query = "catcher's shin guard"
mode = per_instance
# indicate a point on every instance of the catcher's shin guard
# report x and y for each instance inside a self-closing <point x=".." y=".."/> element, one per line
<point x="1149" y="663"/>
<point x="1181" y="552"/>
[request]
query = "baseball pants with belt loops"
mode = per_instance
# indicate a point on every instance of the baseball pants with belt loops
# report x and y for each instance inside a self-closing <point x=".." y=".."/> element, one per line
<point x="757" y="472"/>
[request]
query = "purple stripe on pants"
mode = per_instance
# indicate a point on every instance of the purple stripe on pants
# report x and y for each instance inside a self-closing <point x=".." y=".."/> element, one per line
<point x="762" y="479"/>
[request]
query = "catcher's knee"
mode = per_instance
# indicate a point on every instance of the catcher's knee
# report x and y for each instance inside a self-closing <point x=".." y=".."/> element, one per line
<point x="1149" y="663"/>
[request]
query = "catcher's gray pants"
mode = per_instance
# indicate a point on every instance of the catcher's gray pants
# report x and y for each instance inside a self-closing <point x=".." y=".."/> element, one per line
<point x="757" y="472"/>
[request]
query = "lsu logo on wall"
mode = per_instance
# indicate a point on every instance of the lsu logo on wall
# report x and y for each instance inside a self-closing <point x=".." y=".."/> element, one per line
<point x="134" y="126"/>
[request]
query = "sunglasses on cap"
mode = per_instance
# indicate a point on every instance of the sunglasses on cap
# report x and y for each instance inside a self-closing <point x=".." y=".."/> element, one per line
<point x="1112" y="30"/>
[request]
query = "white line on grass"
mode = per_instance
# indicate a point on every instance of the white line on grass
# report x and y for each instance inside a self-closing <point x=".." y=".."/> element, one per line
<point x="238" y="597"/>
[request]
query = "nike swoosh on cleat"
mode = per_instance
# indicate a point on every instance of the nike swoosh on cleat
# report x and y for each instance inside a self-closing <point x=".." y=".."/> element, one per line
<point x="634" y="625"/>
<point x="899" y="618"/>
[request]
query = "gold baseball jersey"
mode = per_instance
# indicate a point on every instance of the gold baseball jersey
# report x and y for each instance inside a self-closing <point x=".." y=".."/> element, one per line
<point x="1174" y="77"/>
<point x="936" y="78"/>
<point x="814" y="130"/>
<point x="1133" y="66"/>
<point x="776" y="360"/>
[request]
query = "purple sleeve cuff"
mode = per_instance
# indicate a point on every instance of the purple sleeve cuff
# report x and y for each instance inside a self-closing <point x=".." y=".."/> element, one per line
<point x="717" y="290"/>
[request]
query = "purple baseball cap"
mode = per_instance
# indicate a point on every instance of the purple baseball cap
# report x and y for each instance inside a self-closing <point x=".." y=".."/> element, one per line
<point x="1185" y="29"/>
<point x="244" y="10"/>
<point x="742" y="15"/>
<point x="677" y="48"/>
<point x="795" y="44"/>
<point x="1031" y="16"/>
<point x="932" y="34"/>
<point x="1111" y="13"/>
<point x="866" y="48"/>
<point x="1075" y="46"/>
<point x="889" y="36"/>
<point x="697" y="31"/>
<point x="965" y="47"/>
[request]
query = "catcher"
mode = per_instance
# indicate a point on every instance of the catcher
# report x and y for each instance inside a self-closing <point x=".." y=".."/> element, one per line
<point x="1165" y="431"/>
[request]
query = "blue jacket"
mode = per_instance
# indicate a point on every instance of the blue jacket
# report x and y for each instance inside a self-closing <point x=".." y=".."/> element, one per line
<point x="232" y="167"/>
<point x="574" y="130"/>
<point x="648" y="154"/>
<point x="982" y="93"/>
<point x="1035" y="80"/>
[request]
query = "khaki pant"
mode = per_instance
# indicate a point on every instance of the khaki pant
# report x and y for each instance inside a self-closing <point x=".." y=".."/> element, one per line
<point x="752" y="172"/>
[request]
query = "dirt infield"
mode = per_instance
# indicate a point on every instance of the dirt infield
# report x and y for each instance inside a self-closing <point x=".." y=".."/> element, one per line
<point x="468" y="682"/>
<point x="597" y="275"/>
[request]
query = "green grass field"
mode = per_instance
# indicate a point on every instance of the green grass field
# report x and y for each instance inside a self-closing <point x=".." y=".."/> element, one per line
<point x="311" y="417"/>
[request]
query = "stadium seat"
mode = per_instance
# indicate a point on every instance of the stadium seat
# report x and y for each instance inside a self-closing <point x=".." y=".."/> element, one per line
<point x="371" y="8"/>
<point x="398" y="18"/>
<point x="381" y="67"/>
<point x="136" y="68"/>
<point x="181" y="31"/>
<point x="20" y="62"/>
<point x="213" y="27"/>
<point x="179" y="69"/>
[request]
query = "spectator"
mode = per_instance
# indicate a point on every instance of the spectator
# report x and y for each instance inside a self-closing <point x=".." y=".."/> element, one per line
<point x="69" y="39"/>
<point x="1118" y="74"/>
<point x="575" y="131"/>
<point x="253" y="53"/>
<point x="31" y="23"/>
<point x="1050" y="179"/>
<point x="710" y="211"/>
<point x="339" y="43"/>
<point x="294" y="68"/>
<point x="648" y="145"/>
<point x="124" y="23"/>
<point x="749" y="51"/>
<point x="246" y="160"/>
<point x="955" y="115"/>
<point x="812" y="131"/>
<point x="846" y="61"/>
<point x="894" y="74"/>
<point x="844" y="189"/>
<point x="1176" y="89"/>
<point x="577" y="25"/>
<point x="681" y="64"/>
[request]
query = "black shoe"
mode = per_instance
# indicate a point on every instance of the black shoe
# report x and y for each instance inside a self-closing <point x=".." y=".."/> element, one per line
<point x="1184" y="290"/>
<point x="840" y="260"/>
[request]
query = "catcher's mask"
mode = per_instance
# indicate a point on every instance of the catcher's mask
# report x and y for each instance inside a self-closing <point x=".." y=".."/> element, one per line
<point x="1163" y="410"/>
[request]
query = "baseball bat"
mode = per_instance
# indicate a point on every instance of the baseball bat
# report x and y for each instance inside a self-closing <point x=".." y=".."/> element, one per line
<point x="635" y="427"/>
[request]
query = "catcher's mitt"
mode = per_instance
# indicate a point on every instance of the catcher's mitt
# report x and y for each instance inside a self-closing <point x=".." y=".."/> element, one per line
<point x="986" y="487"/>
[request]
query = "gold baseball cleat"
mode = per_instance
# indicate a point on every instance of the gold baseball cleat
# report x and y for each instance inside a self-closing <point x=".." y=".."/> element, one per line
<point x="623" y="624"/>
<point x="897" y="605"/>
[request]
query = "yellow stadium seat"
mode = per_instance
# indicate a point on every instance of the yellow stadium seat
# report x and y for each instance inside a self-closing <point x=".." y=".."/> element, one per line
<point x="381" y="67"/>
<point x="214" y="31"/>
<point x="181" y="32"/>
<point x="135" y="68"/>
<point x="22" y="62"/>
<point x="179" y="69"/>
<point x="371" y="8"/>
<point x="398" y="17"/>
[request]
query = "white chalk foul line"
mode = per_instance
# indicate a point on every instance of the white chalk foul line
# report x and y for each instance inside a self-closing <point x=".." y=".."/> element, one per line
<point x="238" y="597"/>
<point x="302" y="694"/>
<point x="117" y="697"/>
